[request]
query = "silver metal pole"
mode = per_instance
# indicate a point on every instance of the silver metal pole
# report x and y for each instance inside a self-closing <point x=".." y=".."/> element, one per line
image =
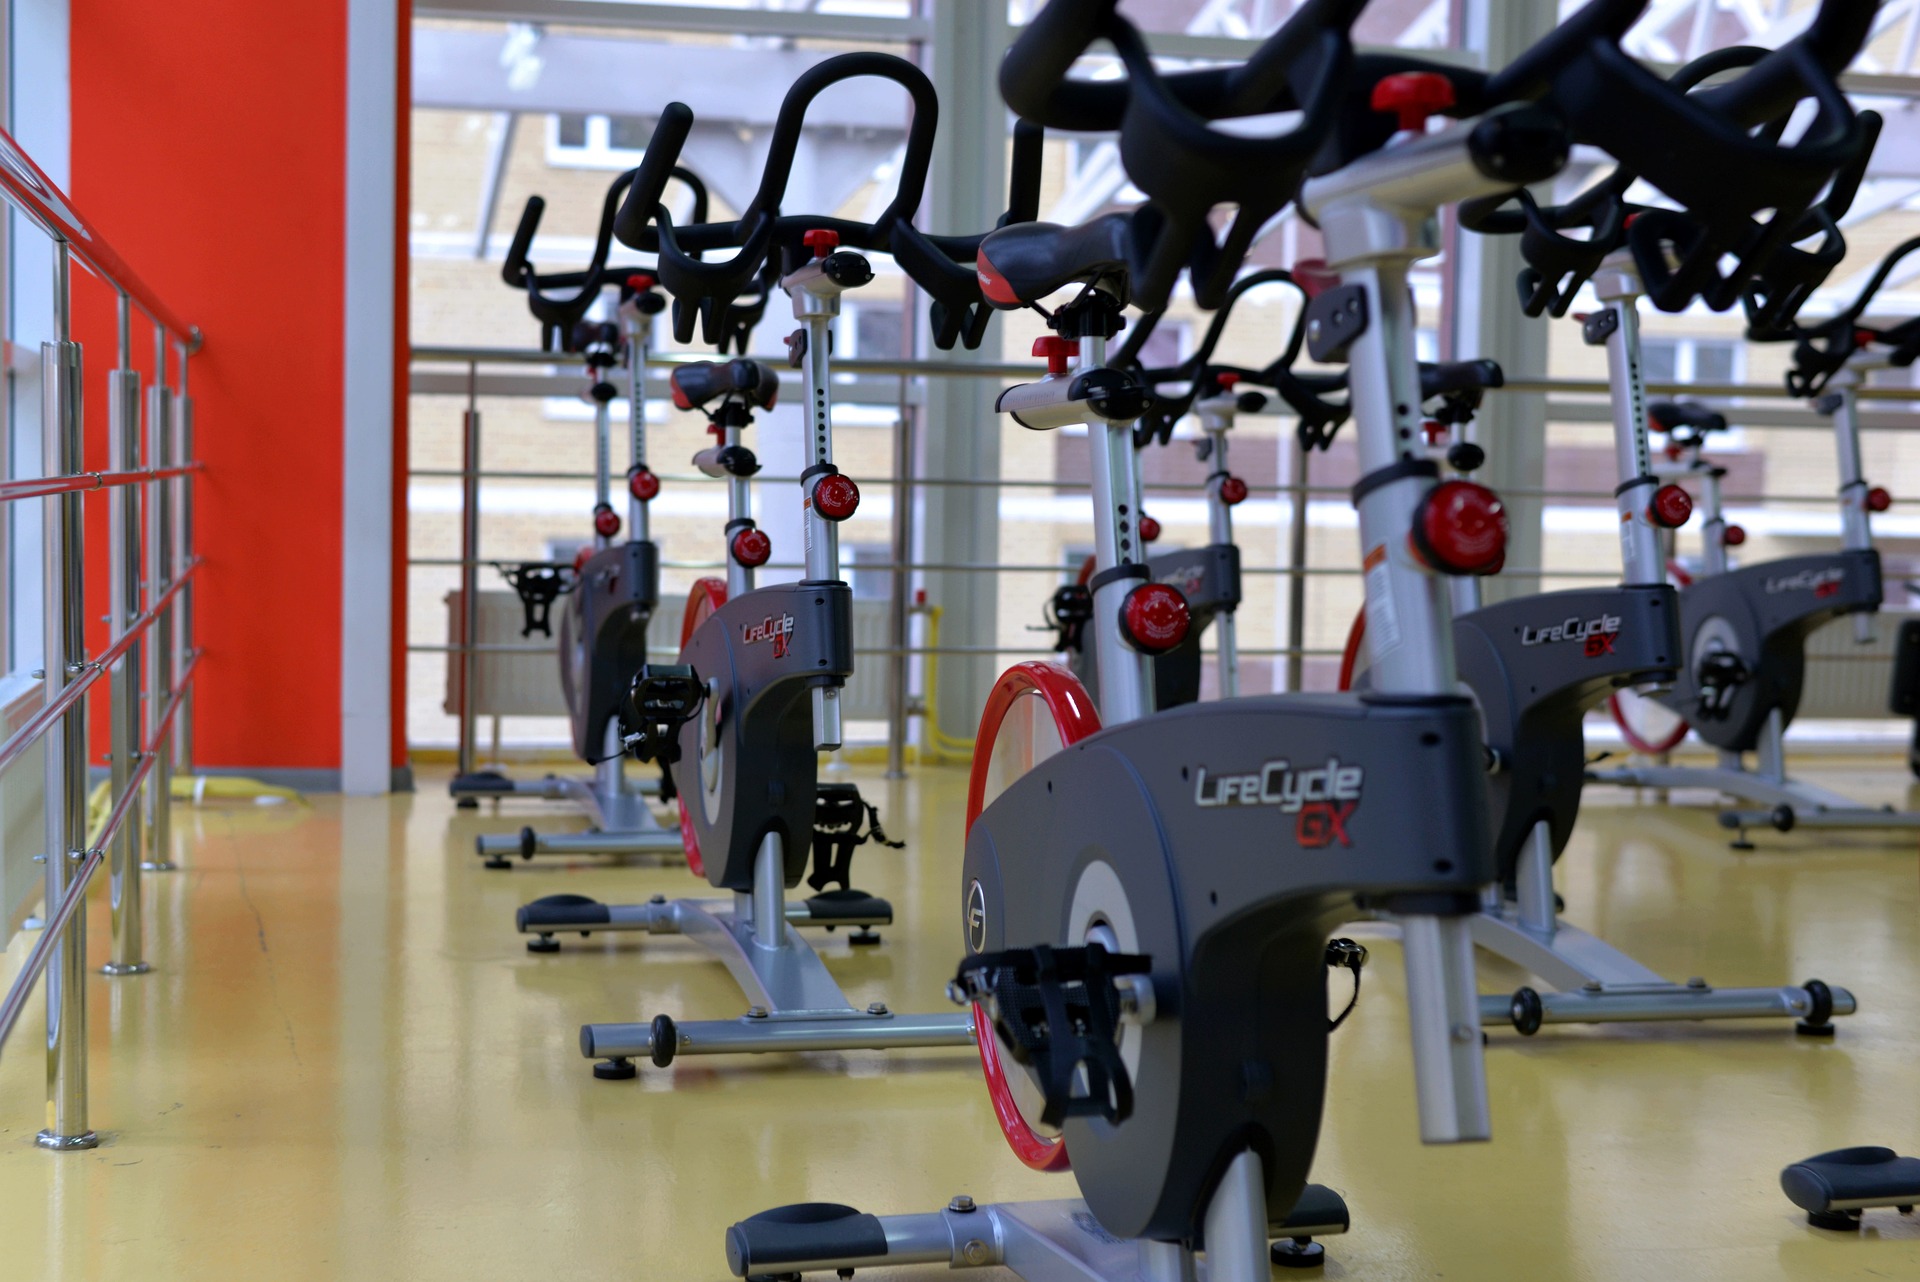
<point x="469" y="568"/>
<point x="66" y="739"/>
<point x="159" y="578"/>
<point x="1296" y="562"/>
<point x="898" y="614"/>
<point x="123" y="604"/>
<point x="183" y="557"/>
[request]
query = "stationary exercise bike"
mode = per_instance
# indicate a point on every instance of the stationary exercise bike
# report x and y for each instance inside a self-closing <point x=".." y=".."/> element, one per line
<point x="608" y="595"/>
<point x="1745" y="628"/>
<point x="755" y="697"/>
<point x="1161" y="993"/>
<point x="1538" y="664"/>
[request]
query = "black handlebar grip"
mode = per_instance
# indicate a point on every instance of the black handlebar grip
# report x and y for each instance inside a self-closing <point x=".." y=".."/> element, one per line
<point x="514" y="270"/>
<point x="1531" y="75"/>
<point x="1846" y="184"/>
<point x="656" y="168"/>
<point x="1023" y="181"/>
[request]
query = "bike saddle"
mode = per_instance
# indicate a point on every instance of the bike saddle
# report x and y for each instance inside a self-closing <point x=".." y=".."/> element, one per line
<point x="1449" y="378"/>
<point x="1022" y="264"/>
<point x="699" y="382"/>
<point x="1689" y="417"/>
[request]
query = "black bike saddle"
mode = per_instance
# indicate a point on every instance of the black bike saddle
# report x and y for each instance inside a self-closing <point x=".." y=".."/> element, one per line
<point x="1025" y="262"/>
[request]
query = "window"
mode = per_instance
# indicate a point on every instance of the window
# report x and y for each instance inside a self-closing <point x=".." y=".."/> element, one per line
<point x="597" y="142"/>
<point x="868" y="570"/>
<point x="1166" y="345"/>
<point x="878" y="332"/>
<point x="1690" y="360"/>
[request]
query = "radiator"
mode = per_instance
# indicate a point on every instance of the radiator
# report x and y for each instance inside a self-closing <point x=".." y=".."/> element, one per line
<point x="506" y="685"/>
<point x="1846" y="680"/>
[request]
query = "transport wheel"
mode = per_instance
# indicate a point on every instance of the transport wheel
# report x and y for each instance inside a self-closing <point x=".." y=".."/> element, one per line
<point x="1649" y="727"/>
<point x="706" y="596"/>
<point x="1034" y="711"/>
<point x="1526" y="1011"/>
<point x="1819" y="1020"/>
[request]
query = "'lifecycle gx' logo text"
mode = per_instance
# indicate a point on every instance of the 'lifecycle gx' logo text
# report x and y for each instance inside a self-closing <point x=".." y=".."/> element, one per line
<point x="1187" y="578"/>
<point x="777" y="630"/>
<point x="1596" y="635"/>
<point x="1323" y="798"/>
<point x="1822" y="583"/>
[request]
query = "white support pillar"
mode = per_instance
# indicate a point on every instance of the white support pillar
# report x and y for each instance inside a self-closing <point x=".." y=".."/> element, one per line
<point x="1488" y="322"/>
<point x="366" y="553"/>
<point x="959" y="434"/>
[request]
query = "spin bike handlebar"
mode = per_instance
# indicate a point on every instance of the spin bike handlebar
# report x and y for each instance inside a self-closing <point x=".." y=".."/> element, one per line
<point x="1168" y="142"/>
<point x="760" y="231"/>
<point x="1201" y="376"/>
<point x="559" y="315"/>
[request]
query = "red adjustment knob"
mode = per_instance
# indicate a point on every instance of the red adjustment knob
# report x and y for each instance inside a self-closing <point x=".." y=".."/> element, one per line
<point x="1314" y="276"/>
<point x="836" y="497"/>
<point x="641" y="282"/>
<point x="1227" y="382"/>
<point x="1461" y="528"/>
<point x="1413" y="96"/>
<point x="606" y="521"/>
<point x="1154" y="618"/>
<point x="1878" y="500"/>
<point x="1865" y="338"/>
<point x="1233" y="491"/>
<point x="752" y="548"/>
<point x="1149" y="529"/>
<point x="1670" y="508"/>
<point x="581" y="558"/>
<point x="1674" y="451"/>
<point x="643" y="484"/>
<point x="1734" y="535"/>
<point x="821" y="241"/>
<point x="1434" y="430"/>
<point x="1057" y="351"/>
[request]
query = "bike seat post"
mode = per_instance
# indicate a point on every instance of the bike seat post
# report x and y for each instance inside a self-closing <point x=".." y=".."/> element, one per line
<point x="637" y="328"/>
<point x="1216" y="420"/>
<point x="1125" y="673"/>
<point x="1843" y="403"/>
<point x="816" y="287"/>
<point x="1618" y="327"/>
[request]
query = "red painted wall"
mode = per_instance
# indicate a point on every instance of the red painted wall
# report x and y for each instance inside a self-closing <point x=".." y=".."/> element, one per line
<point x="209" y="147"/>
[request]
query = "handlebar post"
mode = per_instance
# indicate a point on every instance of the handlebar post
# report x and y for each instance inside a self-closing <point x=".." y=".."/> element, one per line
<point x="1856" y="529"/>
<point x="1619" y="288"/>
<point x="1216" y="420"/>
<point x="1126" y="674"/>
<point x="816" y="302"/>
<point x="638" y="327"/>
<point x="1443" y="1005"/>
<point x="1713" y="528"/>
<point x="602" y="453"/>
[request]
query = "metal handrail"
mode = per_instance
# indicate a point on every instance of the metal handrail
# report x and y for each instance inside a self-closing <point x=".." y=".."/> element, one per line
<point x="95" y="854"/>
<point x="36" y="725"/>
<point x="24" y="184"/>
<point x="85" y="482"/>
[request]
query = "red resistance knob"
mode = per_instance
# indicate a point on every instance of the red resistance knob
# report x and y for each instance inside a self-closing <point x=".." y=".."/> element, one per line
<point x="1413" y="96"/>
<point x="751" y="548"/>
<point x="1227" y="381"/>
<point x="1154" y="618"/>
<point x="1233" y="491"/>
<point x="1434" y="430"/>
<point x="641" y="282"/>
<point x="1734" y="535"/>
<point x="821" y="241"/>
<point x="1878" y="500"/>
<point x="1670" y="508"/>
<point x="1865" y="338"/>
<point x="1057" y="351"/>
<point x="1461" y="528"/>
<point x="1149" y="529"/>
<point x="836" y="497"/>
<point x="581" y="558"/>
<point x="606" y="521"/>
<point x="643" y="484"/>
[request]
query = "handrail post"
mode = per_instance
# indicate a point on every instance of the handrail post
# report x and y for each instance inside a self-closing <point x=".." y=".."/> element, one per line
<point x="898" y="660"/>
<point x="469" y="568"/>
<point x="66" y="738"/>
<point x="183" y="557"/>
<point x="159" y="579"/>
<point x="123" y="605"/>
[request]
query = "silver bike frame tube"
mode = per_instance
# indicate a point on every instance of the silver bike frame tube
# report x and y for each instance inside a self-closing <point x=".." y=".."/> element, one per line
<point x="1618" y="284"/>
<point x="1125" y="674"/>
<point x="639" y="333"/>
<point x="1217" y="424"/>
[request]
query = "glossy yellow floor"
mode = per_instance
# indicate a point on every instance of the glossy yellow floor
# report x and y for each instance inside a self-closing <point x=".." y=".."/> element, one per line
<point x="346" y="1065"/>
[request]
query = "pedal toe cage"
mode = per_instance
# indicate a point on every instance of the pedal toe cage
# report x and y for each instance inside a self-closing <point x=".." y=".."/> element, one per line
<point x="663" y="698"/>
<point x="838" y="814"/>
<point x="1057" y="1011"/>
<point x="538" y="584"/>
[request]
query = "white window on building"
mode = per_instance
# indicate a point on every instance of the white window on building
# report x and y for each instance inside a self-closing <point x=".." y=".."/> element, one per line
<point x="1691" y="360"/>
<point x="577" y="141"/>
